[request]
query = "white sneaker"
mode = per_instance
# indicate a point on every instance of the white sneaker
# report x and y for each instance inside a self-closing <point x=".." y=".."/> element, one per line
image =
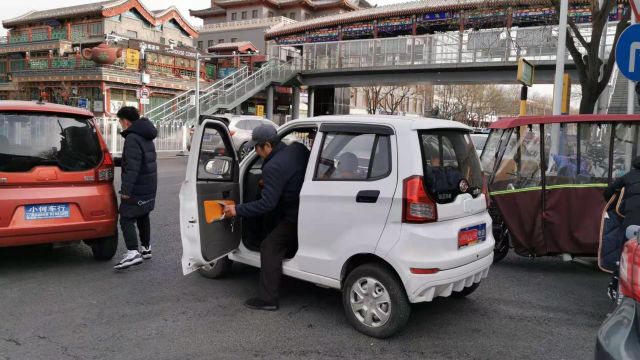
<point x="146" y="252"/>
<point x="132" y="257"/>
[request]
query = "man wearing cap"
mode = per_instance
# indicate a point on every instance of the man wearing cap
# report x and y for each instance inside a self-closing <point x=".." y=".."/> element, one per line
<point x="283" y="171"/>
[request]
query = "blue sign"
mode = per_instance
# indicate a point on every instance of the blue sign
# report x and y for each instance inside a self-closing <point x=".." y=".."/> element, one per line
<point x="628" y="53"/>
<point x="83" y="103"/>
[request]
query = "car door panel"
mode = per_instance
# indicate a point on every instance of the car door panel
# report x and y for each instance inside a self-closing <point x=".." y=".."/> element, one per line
<point x="340" y="218"/>
<point x="211" y="182"/>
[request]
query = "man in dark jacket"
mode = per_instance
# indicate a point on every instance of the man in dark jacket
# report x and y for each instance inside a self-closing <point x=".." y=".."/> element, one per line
<point x="139" y="184"/>
<point x="631" y="184"/>
<point x="283" y="175"/>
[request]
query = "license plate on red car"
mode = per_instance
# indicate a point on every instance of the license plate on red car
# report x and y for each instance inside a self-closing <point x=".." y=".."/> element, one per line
<point x="472" y="235"/>
<point x="46" y="211"/>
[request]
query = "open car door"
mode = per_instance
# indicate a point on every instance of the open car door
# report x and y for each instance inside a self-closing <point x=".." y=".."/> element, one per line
<point x="210" y="183"/>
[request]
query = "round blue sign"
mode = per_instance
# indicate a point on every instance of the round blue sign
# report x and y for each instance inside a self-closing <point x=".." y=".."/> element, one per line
<point x="628" y="53"/>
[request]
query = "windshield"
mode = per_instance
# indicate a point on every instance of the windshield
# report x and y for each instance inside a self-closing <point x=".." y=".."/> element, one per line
<point x="448" y="158"/>
<point x="479" y="140"/>
<point x="28" y="140"/>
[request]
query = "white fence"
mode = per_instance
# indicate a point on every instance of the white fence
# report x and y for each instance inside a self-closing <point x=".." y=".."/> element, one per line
<point x="173" y="136"/>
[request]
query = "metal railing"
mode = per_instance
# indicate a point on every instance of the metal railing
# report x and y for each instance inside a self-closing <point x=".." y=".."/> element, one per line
<point x="451" y="49"/>
<point x="172" y="138"/>
<point x="273" y="71"/>
<point x="182" y="107"/>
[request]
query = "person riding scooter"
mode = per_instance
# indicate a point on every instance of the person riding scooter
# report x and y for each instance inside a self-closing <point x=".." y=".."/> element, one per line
<point x="631" y="199"/>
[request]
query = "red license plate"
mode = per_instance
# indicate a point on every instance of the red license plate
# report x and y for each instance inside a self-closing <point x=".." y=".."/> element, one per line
<point x="472" y="235"/>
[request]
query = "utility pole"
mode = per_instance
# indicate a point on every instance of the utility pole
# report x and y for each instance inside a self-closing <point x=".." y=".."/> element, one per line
<point x="198" y="87"/>
<point x="560" y="55"/>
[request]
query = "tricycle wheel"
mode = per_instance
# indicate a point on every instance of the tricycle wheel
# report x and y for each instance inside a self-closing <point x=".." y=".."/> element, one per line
<point x="104" y="248"/>
<point x="501" y="248"/>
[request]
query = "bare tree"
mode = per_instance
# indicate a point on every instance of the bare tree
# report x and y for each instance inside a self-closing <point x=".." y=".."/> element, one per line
<point x="593" y="72"/>
<point x="373" y="98"/>
<point x="395" y="97"/>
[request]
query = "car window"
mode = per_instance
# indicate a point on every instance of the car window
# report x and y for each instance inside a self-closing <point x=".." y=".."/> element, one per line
<point x="479" y="140"/>
<point x="30" y="140"/>
<point x="348" y="156"/>
<point x="449" y="157"/>
<point x="242" y="125"/>
<point x="215" y="160"/>
<point x="255" y="123"/>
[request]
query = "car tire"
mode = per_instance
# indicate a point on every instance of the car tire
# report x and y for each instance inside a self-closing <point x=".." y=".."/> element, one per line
<point x="243" y="151"/>
<point x="385" y="285"/>
<point x="104" y="249"/>
<point x="465" y="292"/>
<point x="503" y="239"/>
<point x="219" y="269"/>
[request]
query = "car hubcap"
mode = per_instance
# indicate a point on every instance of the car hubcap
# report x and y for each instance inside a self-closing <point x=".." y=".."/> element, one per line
<point x="244" y="151"/>
<point x="370" y="302"/>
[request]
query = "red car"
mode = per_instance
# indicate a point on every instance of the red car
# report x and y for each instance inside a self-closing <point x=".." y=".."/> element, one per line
<point x="56" y="178"/>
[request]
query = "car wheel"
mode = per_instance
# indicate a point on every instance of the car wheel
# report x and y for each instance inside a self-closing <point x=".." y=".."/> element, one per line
<point x="501" y="248"/>
<point x="244" y="151"/>
<point x="219" y="269"/>
<point x="105" y="248"/>
<point x="375" y="301"/>
<point x="465" y="292"/>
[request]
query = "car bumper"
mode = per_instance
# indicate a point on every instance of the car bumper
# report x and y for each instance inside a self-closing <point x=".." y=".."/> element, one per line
<point x="92" y="215"/>
<point x="435" y="246"/>
<point x="421" y="288"/>
<point x="619" y="335"/>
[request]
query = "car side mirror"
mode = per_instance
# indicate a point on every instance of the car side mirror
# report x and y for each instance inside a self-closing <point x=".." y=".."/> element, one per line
<point x="218" y="166"/>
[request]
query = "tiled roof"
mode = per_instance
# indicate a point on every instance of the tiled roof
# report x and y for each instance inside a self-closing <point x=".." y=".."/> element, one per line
<point x="208" y="12"/>
<point x="265" y="23"/>
<point x="402" y="9"/>
<point x="92" y="8"/>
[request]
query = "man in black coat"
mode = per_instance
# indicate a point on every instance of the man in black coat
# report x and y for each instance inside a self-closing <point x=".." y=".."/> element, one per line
<point x="283" y="175"/>
<point x="139" y="184"/>
<point x="631" y="183"/>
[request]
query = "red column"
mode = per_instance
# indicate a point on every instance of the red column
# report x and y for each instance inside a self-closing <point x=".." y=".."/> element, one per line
<point x="50" y="58"/>
<point x="49" y="32"/>
<point x="30" y="35"/>
<point x="414" y="26"/>
<point x="68" y="26"/>
<point x="375" y="29"/>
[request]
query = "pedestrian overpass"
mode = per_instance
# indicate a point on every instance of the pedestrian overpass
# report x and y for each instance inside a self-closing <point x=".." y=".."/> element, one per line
<point x="473" y="57"/>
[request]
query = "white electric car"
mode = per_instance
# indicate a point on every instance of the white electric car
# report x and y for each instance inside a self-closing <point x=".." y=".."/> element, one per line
<point x="393" y="211"/>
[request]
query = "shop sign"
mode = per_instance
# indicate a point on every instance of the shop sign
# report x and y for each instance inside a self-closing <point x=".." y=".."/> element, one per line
<point x="132" y="59"/>
<point x="259" y="110"/>
<point x="163" y="49"/>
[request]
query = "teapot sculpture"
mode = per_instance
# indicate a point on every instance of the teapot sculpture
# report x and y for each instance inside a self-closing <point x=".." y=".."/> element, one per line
<point x="102" y="54"/>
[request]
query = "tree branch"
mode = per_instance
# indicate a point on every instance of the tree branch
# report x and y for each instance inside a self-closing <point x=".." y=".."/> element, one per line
<point x="577" y="58"/>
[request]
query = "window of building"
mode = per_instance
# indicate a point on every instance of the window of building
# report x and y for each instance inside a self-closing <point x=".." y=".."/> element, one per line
<point x="307" y="16"/>
<point x="220" y="41"/>
<point x="244" y="15"/>
<point x="254" y="14"/>
<point x="234" y="40"/>
<point x="200" y="45"/>
<point x="350" y="156"/>
<point x="132" y="34"/>
<point x="163" y="41"/>
<point x="292" y="16"/>
<point x="234" y="16"/>
<point x="210" y="43"/>
<point x="270" y="14"/>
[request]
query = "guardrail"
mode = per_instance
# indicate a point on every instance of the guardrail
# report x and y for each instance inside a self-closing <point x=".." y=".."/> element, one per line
<point x="173" y="136"/>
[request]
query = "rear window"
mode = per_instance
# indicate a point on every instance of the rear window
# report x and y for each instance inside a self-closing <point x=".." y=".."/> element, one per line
<point x="479" y="140"/>
<point x="448" y="158"/>
<point x="28" y="140"/>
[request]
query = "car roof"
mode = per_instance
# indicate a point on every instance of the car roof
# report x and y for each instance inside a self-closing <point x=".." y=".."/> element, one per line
<point x="509" y="123"/>
<point x="410" y="123"/>
<point x="42" y="107"/>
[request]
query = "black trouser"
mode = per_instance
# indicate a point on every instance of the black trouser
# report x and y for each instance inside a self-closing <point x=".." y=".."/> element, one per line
<point x="272" y="251"/>
<point x="128" y="226"/>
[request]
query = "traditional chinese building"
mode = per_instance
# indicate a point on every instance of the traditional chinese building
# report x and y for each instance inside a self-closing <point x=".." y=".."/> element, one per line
<point x="230" y="21"/>
<point x="427" y="17"/>
<point x="93" y="55"/>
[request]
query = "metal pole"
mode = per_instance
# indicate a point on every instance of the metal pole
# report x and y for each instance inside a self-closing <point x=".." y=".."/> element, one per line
<point x="295" y="109"/>
<point x="269" y="107"/>
<point x="198" y="88"/>
<point x="631" y="91"/>
<point x="600" y="103"/>
<point x="560" y="55"/>
<point x="523" y="100"/>
<point x="310" y="102"/>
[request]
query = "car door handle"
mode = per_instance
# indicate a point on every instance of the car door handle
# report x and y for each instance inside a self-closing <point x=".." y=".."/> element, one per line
<point x="368" y="196"/>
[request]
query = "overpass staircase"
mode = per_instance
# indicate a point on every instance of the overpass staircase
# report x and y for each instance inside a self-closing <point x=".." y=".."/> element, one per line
<point x="225" y="94"/>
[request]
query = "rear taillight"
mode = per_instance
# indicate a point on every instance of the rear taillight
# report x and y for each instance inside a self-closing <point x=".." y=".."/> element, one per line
<point x="417" y="205"/>
<point x="232" y="132"/>
<point x="630" y="270"/>
<point x="104" y="173"/>
<point x="485" y="190"/>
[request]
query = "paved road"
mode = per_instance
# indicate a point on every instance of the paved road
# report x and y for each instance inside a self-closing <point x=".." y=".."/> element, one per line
<point x="64" y="305"/>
